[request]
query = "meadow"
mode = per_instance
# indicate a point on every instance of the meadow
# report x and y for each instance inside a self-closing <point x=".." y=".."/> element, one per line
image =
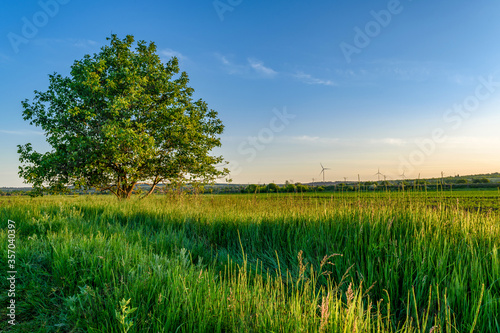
<point x="328" y="262"/>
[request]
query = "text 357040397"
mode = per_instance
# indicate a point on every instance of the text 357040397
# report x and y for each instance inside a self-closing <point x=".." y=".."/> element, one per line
<point x="11" y="272"/>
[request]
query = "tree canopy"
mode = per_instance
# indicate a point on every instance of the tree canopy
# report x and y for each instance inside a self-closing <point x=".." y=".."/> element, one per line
<point x="120" y="118"/>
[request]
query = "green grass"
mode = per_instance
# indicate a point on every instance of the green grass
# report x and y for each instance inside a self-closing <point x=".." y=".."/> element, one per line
<point x="343" y="262"/>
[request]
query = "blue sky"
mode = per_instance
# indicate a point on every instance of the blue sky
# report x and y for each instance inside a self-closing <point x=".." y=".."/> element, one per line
<point x="404" y="86"/>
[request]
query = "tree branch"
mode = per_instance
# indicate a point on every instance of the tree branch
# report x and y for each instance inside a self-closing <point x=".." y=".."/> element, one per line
<point x="157" y="180"/>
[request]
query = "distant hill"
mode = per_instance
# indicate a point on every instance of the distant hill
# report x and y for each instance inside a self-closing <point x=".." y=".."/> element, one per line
<point x="476" y="180"/>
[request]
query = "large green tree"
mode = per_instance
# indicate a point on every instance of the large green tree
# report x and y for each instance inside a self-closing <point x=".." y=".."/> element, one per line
<point x="120" y="118"/>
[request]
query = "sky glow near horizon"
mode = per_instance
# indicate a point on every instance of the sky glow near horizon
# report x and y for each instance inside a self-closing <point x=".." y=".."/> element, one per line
<point x="400" y="86"/>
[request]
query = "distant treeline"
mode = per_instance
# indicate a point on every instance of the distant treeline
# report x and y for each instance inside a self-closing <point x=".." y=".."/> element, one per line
<point x="447" y="184"/>
<point x="363" y="186"/>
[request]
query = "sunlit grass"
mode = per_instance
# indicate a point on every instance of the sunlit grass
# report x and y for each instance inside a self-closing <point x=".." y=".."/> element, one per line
<point x="378" y="262"/>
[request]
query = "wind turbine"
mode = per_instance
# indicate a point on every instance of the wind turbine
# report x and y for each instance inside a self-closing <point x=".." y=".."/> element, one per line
<point x="403" y="175"/>
<point x="323" y="171"/>
<point x="378" y="174"/>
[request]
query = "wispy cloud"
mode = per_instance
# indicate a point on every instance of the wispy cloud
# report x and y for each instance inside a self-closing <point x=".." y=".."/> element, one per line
<point x="253" y="67"/>
<point x="259" y="67"/>
<point x="317" y="140"/>
<point x="25" y="132"/>
<point x="460" y="79"/>
<point x="472" y="141"/>
<point x="72" y="42"/>
<point x="231" y="67"/>
<point x="256" y="68"/>
<point x="393" y="70"/>
<point x="389" y="141"/>
<point x="82" y="43"/>
<point x="171" y="53"/>
<point x="309" y="79"/>
<point x="306" y="139"/>
<point x="410" y="71"/>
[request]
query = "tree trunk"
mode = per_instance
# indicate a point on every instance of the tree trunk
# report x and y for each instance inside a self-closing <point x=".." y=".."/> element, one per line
<point x="124" y="192"/>
<point x="155" y="182"/>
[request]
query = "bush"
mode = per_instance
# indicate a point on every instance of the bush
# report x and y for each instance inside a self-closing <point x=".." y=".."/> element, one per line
<point x="272" y="188"/>
<point x="302" y="188"/>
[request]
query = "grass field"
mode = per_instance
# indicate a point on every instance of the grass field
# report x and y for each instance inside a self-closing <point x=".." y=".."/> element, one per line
<point x="343" y="262"/>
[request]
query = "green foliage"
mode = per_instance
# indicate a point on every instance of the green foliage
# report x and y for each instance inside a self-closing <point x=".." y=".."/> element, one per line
<point x="301" y="188"/>
<point x="252" y="188"/>
<point x="123" y="315"/>
<point x="272" y="188"/>
<point x="120" y="118"/>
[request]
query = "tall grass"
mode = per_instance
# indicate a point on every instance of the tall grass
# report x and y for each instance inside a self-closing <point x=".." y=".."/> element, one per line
<point x="383" y="262"/>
